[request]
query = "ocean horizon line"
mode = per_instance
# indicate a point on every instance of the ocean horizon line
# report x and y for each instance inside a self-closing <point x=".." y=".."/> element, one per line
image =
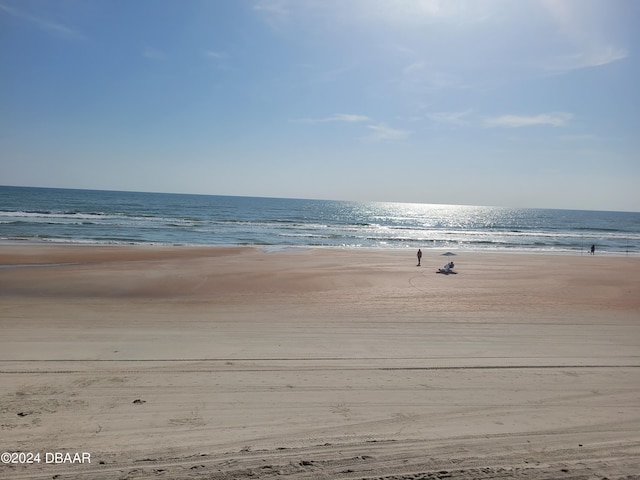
<point x="272" y="197"/>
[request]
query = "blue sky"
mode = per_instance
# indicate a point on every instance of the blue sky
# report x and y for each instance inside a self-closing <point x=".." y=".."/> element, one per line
<point x="524" y="103"/>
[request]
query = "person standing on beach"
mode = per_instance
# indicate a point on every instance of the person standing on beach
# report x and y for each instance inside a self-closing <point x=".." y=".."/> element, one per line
<point x="593" y="249"/>
<point x="419" y="257"/>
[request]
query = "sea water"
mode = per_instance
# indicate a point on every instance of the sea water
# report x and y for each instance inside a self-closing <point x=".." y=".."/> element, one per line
<point x="89" y="216"/>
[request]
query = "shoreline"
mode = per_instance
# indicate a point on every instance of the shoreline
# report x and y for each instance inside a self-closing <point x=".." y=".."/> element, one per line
<point x="299" y="248"/>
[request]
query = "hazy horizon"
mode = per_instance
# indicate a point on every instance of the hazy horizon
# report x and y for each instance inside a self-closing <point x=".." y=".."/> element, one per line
<point x="516" y="207"/>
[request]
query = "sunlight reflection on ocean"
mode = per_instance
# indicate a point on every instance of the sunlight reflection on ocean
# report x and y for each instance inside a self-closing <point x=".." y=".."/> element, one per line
<point x="84" y="216"/>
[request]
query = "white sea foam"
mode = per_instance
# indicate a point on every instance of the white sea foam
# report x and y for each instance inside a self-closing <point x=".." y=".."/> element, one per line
<point x="73" y="216"/>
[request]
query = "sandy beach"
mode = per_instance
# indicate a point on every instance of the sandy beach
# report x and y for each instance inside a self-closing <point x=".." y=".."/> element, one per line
<point x="220" y="363"/>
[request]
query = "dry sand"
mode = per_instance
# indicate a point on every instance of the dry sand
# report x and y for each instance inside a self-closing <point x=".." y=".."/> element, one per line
<point x="207" y="363"/>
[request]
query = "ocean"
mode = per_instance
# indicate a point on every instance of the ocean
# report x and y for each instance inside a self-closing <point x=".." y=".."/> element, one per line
<point x="109" y="217"/>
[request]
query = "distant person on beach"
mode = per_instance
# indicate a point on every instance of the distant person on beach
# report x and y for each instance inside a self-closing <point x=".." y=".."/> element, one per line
<point x="447" y="268"/>
<point x="419" y="257"/>
<point x="593" y="249"/>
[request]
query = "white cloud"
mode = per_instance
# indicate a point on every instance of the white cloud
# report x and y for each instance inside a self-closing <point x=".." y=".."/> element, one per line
<point x="339" y="117"/>
<point x="346" y="117"/>
<point x="584" y="26"/>
<point x="589" y="59"/>
<point x="215" y="54"/>
<point x="276" y="13"/>
<point x="455" y="118"/>
<point x="603" y="56"/>
<point x="414" y="68"/>
<point x="153" y="53"/>
<point x="382" y="132"/>
<point x="218" y="59"/>
<point x="555" y="119"/>
<point x="45" y="24"/>
<point x="272" y="7"/>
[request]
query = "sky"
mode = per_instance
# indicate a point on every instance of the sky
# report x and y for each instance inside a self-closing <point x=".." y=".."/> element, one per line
<point x="519" y="103"/>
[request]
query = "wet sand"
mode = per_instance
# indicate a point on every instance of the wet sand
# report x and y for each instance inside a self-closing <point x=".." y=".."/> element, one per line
<point x="207" y="363"/>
